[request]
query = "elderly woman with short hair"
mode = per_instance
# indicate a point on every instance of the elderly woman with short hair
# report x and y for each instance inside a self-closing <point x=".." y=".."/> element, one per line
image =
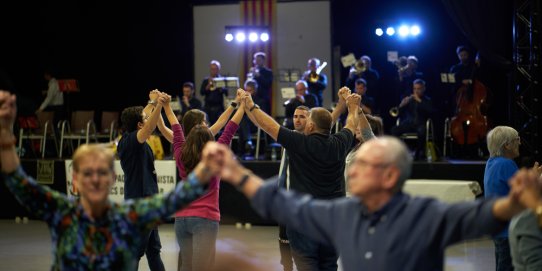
<point x="503" y="145"/>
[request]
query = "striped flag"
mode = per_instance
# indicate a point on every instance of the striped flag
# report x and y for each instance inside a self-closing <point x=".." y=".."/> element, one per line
<point x="259" y="13"/>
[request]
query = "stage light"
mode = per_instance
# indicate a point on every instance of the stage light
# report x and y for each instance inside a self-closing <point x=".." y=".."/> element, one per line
<point x="252" y="37"/>
<point x="229" y="37"/>
<point x="415" y="30"/>
<point x="403" y="31"/>
<point x="390" y="31"/>
<point x="240" y="36"/>
<point x="379" y="32"/>
<point x="247" y="33"/>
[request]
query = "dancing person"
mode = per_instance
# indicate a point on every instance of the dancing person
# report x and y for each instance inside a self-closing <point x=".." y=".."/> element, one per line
<point x="90" y="232"/>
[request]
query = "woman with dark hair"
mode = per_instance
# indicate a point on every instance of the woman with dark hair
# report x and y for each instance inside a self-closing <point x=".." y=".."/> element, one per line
<point x="196" y="227"/>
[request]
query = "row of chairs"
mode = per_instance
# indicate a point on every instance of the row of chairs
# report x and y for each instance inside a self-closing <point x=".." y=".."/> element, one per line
<point x="80" y="128"/>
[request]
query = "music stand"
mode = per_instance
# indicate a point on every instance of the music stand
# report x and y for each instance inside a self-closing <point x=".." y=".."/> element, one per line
<point x="231" y="83"/>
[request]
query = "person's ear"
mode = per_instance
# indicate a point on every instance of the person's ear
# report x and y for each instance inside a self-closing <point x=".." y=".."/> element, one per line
<point x="391" y="177"/>
<point x="75" y="183"/>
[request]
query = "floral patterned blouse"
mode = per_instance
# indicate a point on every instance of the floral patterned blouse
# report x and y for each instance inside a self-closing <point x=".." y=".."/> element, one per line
<point x="106" y="243"/>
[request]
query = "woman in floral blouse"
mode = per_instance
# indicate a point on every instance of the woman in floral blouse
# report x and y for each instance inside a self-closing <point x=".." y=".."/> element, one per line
<point x="91" y="232"/>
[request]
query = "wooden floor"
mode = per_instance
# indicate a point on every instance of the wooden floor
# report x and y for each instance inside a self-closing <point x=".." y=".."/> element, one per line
<point x="28" y="247"/>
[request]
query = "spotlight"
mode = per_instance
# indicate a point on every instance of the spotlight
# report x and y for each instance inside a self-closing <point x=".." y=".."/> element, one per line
<point x="415" y="30"/>
<point x="253" y="37"/>
<point x="379" y="32"/>
<point x="264" y="37"/>
<point x="403" y="31"/>
<point x="240" y="36"/>
<point x="229" y="37"/>
<point x="390" y="31"/>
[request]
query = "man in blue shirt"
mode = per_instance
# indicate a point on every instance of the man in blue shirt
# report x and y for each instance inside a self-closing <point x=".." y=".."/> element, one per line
<point x="380" y="227"/>
<point x="137" y="162"/>
<point x="503" y="145"/>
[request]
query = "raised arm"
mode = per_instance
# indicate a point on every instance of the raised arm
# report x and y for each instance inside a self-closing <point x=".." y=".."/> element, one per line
<point x="166" y="132"/>
<point x="148" y="127"/>
<point x="9" y="158"/>
<point x="524" y="193"/>
<point x="341" y="104"/>
<point x="238" y="116"/>
<point x="225" y="116"/>
<point x="352" y="120"/>
<point x="41" y="200"/>
<point x="260" y="118"/>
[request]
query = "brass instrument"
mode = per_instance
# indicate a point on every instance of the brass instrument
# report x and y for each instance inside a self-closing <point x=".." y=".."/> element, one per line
<point x="252" y="73"/>
<point x="313" y="76"/>
<point x="359" y="67"/>
<point x="394" y="111"/>
<point x="211" y="82"/>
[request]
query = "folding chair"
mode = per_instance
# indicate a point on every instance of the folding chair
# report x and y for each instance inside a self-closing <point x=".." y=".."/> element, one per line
<point x="43" y="130"/>
<point x="82" y="127"/>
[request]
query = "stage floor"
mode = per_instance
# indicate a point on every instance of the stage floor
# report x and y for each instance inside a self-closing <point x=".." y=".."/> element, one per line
<point x="27" y="247"/>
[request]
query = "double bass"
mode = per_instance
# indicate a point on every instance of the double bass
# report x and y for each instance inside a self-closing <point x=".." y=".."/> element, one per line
<point x="469" y="126"/>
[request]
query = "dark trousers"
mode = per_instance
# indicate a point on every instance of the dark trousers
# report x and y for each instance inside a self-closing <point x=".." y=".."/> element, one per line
<point x="150" y="246"/>
<point x="286" y="259"/>
<point x="310" y="255"/>
<point x="503" y="258"/>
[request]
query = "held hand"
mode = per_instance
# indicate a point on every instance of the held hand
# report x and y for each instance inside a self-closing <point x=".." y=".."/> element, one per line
<point x="167" y="97"/>
<point x="239" y="95"/>
<point x="300" y="98"/>
<point x="343" y="93"/>
<point x="8" y="111"/>
<point x="353" y="101"/>
<point x="417" y="99"/>
<point x="185" y="101"/>
<point x="525" y="188"/>
<point x="162" y="98"/>
<point x="219" y="159"/>
<point x="249" y="103"/>
<point x="153" y="94"/>
<point x="538" y="168"/>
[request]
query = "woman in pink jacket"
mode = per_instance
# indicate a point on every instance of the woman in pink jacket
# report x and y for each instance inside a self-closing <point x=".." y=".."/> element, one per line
<point x="196" y="226"/>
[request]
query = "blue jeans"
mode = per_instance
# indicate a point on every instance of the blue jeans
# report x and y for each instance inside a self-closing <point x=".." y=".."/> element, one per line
<point x="503" y="258"/>
<point x="197" y="239"/>
<point x="309" y="254"/>
<point x="150" y="246"/>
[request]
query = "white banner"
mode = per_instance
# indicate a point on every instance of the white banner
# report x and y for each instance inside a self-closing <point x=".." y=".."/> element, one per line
<point x="166" y="171"/>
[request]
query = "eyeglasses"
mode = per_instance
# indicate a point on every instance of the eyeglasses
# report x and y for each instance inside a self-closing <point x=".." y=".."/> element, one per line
<point x="363" y="163"/>
<point x="515" y="139"/>
<point x="100" y="172"/>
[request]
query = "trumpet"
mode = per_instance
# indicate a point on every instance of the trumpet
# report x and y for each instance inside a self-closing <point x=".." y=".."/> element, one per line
<point x="358" y="68"/>
<point x="254" y="71"/>
<point x="394" y="111"/>
<point x="212" y="86"/>
<point x="313" y="76"/>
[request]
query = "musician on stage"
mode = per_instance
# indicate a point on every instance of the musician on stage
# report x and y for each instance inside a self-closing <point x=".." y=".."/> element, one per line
<point x="214" y="96"/>
<point x="264" y="77"/>
<point x="316" y="80"/>
<point x="414" y="111"/>
<point x="365" y="71"/>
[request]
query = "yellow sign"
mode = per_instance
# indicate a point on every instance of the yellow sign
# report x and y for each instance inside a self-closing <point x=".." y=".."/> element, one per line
<point x="45" y="172"/>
